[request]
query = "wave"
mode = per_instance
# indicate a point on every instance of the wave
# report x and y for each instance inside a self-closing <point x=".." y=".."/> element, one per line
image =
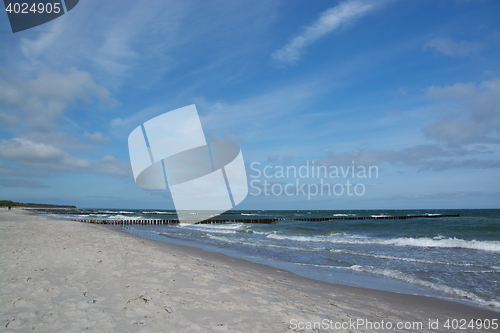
<point x="424" y="283"/>
<point x="227" y="228"/>
<point x="123" y="217"/>
<point x="222" y="232"/>
<point x="260" y="232"/>
<point x="416" y="260"/>
<point x="490" y="246"/>
<point x="302" y="238"/>
<point x="115" y="212"/>
<point x="220" y="226"/>
<point x="233" y="240"/>
<point x="158" y="212"/>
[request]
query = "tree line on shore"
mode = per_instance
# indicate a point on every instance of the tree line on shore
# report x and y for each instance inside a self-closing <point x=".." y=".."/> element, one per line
<point x="9" y="203"/>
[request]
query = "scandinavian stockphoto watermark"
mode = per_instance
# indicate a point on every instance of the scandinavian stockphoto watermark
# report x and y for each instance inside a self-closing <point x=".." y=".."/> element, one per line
<point x="454" y="324"/>
<point x="26" y="14"/>
<point x="204" y="179"/>
<point x="310" y="180"/>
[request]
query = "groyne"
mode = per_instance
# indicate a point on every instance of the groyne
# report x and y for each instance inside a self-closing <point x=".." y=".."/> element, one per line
<point x="264" y="220"/>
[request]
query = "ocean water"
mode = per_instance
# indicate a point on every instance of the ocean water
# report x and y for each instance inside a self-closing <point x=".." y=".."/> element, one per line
<point x="455" y="258"/>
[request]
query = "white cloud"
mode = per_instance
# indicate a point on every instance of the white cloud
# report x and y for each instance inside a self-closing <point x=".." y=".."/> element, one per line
<point x="129" y="123"/>
<point x="457" y="91"/>
<point x="143" y="42"/>
<point x="97" y="137"/>
<point x="425" y="157"/>
<point x="472" y="116"/>
<point x="57" y="139"/>
<point x="469" y="117"/>
<point x="327" y="22"/>
<point x="7" y="119"/>
<point x="226" y="137"/>
<point x="116" y="122"/>
<point x="458" y="131"/>
<point x="26" y="151"/>
<point x="109" y="165"/>
<point x="43" y="100"/>
<point x="248" y="116"/>
<point x="451" y="48"/>
<point x="32" y="48"/>
<point x="119" y="38"/>
<point x="42" y="156"/>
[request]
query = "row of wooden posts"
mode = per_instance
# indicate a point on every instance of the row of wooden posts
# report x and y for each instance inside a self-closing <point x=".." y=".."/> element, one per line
<point x="267" y="221"/>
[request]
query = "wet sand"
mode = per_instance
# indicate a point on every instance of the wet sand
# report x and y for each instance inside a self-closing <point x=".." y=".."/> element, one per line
<point x="63" y="276"/>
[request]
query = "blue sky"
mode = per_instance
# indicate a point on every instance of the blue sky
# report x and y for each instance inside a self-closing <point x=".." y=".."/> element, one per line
<point x="411" y="87"/>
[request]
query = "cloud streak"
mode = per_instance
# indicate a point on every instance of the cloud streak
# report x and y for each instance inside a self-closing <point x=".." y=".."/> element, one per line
<point x="7" y="119"/>
<point x="43" y="156"/>
<point x="474" y="115"/>
<point x="97" y="137"/>
<point x="454" y="49"/>
<point x="425" y="157"/>
<point x="42" y="100"/>
<point x="330" y="20"/>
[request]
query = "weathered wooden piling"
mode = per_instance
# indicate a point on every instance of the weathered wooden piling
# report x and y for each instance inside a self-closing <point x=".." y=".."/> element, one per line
<point x="266" y="220"/>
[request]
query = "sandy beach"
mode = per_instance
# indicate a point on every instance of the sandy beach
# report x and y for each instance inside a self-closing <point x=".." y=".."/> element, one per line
<point x="62" y="276"/>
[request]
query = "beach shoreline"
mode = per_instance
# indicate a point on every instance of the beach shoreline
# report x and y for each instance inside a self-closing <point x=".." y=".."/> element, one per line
<point x="59" y="275"/>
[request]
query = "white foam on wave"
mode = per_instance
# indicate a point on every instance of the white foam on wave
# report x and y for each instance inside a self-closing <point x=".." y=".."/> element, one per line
<point x="223" y="228"/>
<point x="116" y="212"/>
<point x="234" y="240"/>
<point x="262" y="232"/>
<point x="123" y="217"/>
<point x="159" y="212"/>
<point x="319" y="238"/>
<point x="416" y="260"/>
<point x="424" y="283"/>
<point x="490" y="246"/>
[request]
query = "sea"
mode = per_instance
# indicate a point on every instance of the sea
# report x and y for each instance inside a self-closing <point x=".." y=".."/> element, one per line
<point x="454" y="258"/>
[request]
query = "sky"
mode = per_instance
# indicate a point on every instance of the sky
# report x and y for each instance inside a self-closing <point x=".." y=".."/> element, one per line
<point x="408" y="88"/>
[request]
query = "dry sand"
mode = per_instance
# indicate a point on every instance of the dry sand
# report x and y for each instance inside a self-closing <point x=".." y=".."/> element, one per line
<point x="62" y="276"/>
